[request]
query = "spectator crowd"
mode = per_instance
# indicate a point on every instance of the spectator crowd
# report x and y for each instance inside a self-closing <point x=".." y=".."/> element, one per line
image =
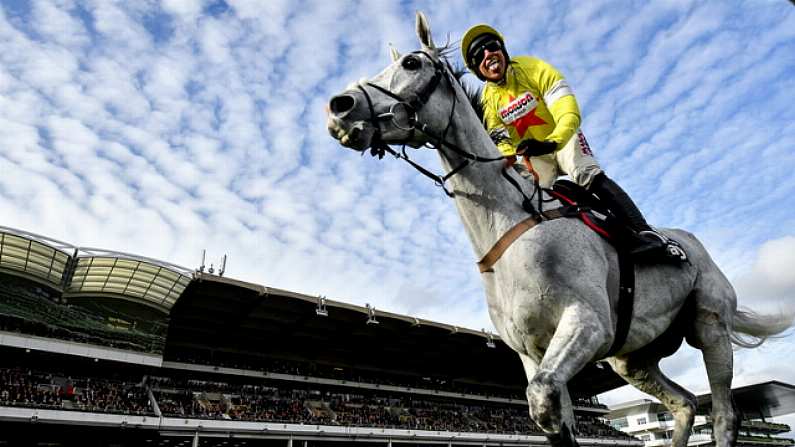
<point x="176" y="395"/>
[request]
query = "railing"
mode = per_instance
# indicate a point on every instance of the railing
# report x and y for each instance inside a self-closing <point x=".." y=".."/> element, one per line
<point x="765" y="440"/>
<point x="179" y="426"/>
<point x="766" y="426"/>
<point x="696" y="439"/>
<point x="699" y="439"/>
<point x="653" y="425"/>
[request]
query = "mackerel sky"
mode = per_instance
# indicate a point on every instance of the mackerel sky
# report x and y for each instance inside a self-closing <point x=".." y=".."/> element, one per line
<point x="165" y="128"/>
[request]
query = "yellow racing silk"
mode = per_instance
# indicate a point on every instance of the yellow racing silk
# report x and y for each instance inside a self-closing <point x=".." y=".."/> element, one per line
<point x="534" y="101"/>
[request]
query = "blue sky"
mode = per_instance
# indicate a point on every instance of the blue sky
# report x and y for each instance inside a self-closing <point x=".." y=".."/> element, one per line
<point x="165" y="128"/>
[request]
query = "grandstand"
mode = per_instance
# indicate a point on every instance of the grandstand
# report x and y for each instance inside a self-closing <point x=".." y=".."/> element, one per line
<point x="104" y="348"/>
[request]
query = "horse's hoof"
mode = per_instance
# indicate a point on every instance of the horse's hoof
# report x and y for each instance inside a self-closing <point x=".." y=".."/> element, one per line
<point x="562" y="439"/>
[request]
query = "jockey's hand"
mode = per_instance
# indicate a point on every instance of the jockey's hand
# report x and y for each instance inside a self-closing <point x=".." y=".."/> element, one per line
<point x="534" y="148"/>
<point x="510" y="160"/>
<point x="377" y="151"/>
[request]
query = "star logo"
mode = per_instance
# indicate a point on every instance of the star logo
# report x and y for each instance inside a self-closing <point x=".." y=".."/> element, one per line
<point x="521" y="113"/>
<point x="531" y="119"/>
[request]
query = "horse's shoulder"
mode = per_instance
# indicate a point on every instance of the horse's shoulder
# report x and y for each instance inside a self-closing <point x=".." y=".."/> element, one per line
<point x="564" y="243"/>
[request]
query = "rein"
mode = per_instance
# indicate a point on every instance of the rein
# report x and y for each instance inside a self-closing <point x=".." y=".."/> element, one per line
<point x="412" y="107"/>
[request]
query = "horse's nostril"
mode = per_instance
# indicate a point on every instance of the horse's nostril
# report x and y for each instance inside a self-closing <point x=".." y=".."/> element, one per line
<point x="341" y="104"/>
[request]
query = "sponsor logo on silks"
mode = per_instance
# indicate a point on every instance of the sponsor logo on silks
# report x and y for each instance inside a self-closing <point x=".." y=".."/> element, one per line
<point x="521" y="113"/>
<point x="584" y="147"/>
<point x="518" y="108"/>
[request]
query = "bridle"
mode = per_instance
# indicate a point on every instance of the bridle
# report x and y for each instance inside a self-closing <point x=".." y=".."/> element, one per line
<point x="410" y="109"/>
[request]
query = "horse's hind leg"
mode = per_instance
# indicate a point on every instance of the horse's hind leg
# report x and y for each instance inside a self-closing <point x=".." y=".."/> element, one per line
<point x="711" y="335"/>
<point x="645" y="375"/>
<point x="717" y="354"/>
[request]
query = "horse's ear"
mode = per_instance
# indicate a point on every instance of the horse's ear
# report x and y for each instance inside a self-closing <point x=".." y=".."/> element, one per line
<point x="424" y="31"/>
<point x="394" y="53"/>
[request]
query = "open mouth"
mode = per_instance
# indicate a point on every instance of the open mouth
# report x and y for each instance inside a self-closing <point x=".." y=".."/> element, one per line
<point x="356" y="136"/>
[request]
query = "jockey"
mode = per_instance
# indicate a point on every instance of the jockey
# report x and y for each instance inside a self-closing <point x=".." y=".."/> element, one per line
<point x="530" y="110"/>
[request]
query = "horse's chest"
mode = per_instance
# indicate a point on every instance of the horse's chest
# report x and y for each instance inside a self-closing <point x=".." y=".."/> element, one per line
<point x="526" y="340"/>
<point x="525" y="323"/>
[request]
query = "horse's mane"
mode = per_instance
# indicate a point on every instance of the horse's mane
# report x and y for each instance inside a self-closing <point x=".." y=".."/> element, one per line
<point x="458" y="71"/>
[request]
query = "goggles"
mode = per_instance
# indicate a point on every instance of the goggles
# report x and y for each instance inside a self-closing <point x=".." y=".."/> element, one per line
<point x="476" y="54"/>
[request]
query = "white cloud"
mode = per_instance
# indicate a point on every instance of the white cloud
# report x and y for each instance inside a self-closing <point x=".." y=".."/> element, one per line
<point x="184" y="9"/>
<point x="770" y="282"/>
<point x="54" y="22"/>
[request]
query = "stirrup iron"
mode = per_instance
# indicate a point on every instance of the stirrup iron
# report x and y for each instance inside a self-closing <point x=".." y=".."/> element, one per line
<point x="672" y="248"/>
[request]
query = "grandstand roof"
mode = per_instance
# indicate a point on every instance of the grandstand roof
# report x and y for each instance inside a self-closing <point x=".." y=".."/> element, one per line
<point x="153" y="283"/>
<point x="758" y="401"/>
<point x="227" y="321"/>
<point x="34" y="256"/>
<point x="81" y="271"/>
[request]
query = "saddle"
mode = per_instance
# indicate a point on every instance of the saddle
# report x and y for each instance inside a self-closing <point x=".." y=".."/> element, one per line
<point x="598" y="216"/>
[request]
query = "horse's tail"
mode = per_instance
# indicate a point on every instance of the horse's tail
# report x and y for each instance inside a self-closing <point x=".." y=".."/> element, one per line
<point x="751" y="329"/>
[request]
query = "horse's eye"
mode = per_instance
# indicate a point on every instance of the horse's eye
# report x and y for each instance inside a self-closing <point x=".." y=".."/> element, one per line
<point x="411" y="63"/>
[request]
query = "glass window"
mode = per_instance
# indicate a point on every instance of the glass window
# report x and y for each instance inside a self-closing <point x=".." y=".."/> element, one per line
<point x="641" y="421"/>
<point x="665" y="416"/>
<point x="619" y="423"/>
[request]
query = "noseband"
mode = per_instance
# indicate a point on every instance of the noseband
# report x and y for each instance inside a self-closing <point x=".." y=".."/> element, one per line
<point x="412" y="107"/>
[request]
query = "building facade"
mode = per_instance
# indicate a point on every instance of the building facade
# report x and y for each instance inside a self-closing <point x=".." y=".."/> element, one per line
<point x="653" y="424"/>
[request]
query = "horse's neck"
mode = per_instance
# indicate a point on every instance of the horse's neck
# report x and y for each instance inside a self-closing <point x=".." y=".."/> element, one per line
<point x="488" y="204"/>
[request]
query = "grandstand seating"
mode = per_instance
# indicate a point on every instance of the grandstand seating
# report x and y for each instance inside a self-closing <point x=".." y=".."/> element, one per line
<point x="28" y="388"/>
<point x="218" y="398"/>
<point x="308" y="369"/>
<point x="31" y="309"/>
<point x="311" y="369"/>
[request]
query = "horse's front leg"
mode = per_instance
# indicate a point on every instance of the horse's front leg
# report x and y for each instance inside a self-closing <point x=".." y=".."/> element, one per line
<point x="581" y="334"/>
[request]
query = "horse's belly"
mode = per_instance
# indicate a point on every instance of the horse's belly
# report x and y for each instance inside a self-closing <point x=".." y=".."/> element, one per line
<point x="644" y="331"/>
<point x="660" y="298"/>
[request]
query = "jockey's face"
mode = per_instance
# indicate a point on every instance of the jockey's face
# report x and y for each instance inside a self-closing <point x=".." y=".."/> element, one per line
<point x="493" y="65"/>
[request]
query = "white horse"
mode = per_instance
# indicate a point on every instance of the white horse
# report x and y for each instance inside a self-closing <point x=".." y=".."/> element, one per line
<point x="553" y="294"/>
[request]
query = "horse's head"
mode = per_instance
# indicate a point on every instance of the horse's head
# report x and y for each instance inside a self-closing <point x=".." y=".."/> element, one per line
<point x="387" y="108"/>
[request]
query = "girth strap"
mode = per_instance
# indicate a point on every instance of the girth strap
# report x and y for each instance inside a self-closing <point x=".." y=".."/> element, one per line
<point x="489" y="259"/>
<point x="626" y="300"/>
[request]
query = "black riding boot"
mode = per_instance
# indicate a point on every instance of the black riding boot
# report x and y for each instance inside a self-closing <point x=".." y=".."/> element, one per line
<point x="647" y="240"/>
